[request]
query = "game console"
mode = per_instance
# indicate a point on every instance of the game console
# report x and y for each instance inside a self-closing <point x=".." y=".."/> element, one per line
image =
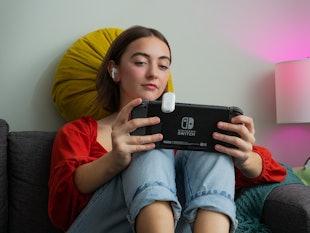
<point x="185" y="126"/>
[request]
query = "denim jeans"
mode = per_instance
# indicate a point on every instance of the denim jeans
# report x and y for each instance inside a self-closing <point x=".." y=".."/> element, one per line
<point x="188" y="180"/>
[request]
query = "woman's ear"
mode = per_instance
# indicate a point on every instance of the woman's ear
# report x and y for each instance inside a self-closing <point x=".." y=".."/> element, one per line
<point x="112" y="69"/>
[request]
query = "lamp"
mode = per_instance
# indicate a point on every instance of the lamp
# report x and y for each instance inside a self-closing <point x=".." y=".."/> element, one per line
<point x="292" y="83"/>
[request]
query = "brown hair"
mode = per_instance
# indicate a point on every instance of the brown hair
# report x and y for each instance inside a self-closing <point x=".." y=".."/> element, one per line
<point x="108" y="91"/>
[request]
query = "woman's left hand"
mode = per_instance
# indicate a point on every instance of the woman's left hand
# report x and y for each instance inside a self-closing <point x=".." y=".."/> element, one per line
<point x="244" y="127"/>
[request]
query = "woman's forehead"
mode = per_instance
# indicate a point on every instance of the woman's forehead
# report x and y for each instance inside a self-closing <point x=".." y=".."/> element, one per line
<point x="152" y="46"/>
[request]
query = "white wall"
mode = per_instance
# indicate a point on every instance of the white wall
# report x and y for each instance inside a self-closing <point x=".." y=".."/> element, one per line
<point x="223" y="53"/>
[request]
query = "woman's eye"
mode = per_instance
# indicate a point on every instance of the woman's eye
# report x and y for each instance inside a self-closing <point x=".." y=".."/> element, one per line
<point x="140" y="63"/>
<point x="163" y="67"/>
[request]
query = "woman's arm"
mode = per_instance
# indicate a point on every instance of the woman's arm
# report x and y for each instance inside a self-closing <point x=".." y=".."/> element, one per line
<point x="271" y="170"/>
<point x="251" y="167"/>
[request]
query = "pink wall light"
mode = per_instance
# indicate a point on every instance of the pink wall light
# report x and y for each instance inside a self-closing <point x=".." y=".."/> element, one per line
<point x="292" y="83"/>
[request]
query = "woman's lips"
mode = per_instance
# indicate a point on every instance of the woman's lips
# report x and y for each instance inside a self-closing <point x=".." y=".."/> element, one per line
<point x="150" y="86"/>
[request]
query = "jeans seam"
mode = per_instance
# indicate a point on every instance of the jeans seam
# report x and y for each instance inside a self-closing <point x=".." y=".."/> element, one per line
<point x="147" y="185"/>
<point x="211" y="192"/>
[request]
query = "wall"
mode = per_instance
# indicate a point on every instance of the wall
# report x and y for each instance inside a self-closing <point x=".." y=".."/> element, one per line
<point x="226" y="50"/>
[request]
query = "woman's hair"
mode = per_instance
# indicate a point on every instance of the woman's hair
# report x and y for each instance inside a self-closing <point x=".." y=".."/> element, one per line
<point x="108" y="91"/>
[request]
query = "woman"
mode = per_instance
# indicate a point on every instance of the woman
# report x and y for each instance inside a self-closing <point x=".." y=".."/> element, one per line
<point x="105" y="180"/>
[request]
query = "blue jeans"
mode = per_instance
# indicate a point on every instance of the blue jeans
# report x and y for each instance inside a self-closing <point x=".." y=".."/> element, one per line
<point x="188" y="180"/>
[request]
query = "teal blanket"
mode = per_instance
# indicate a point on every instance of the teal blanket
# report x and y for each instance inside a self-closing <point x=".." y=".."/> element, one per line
<point x="250" y="204"/>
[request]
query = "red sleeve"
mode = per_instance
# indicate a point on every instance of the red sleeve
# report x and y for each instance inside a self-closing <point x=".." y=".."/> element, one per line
<point x="73" y="146"/>
<point x="272" y="171"/>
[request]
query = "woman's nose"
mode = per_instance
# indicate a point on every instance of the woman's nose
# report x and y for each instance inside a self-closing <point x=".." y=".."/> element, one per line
<point x="152" y="71"/>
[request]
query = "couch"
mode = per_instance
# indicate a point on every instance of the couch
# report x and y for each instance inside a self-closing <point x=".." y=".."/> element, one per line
<point x="24" y="173"/>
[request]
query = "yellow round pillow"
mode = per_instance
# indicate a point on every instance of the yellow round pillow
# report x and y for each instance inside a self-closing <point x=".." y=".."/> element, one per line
<point x="74" y="88"/>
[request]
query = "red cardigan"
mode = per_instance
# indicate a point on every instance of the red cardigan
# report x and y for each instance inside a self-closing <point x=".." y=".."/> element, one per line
<point x="76" y="144"/>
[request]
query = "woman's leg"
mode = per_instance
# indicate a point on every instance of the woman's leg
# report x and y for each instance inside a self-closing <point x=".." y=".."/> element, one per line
<point x="211" y="221"/>
<point x="105" y="212"/>
<point x="206" y="185"/>
<point x="156" y="217"/>
<point x="150" y="191"/>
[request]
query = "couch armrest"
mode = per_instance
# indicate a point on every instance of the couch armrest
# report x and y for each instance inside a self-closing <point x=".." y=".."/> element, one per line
<point x="4" y="128"/>
<point x="287" y="209"/>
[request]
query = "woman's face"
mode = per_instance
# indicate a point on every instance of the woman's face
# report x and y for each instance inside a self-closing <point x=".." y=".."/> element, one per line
<point x="144" y="70"/>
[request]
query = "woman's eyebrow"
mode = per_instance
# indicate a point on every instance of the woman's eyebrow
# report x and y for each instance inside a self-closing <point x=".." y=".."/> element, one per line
<point x="148" y="56"/>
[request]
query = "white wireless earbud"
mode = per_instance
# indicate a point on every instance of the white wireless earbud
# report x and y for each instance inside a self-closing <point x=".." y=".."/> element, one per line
<point x="113" y="71"/>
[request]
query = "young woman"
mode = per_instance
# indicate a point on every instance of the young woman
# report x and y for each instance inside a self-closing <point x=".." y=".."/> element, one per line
<point x="105" y="180"/>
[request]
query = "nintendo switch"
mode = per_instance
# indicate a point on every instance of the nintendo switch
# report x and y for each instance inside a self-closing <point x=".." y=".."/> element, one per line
<point x="188" y="126"/>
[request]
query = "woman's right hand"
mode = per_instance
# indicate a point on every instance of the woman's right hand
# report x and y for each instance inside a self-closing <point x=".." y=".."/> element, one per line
<point x="89" y="176"/>
<point x="124" y="144"/>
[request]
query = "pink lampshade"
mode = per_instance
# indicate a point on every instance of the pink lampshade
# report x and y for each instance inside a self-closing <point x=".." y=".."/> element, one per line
<point x="292" y="83"/>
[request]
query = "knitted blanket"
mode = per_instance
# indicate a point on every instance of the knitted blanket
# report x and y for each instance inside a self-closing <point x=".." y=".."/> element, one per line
<point x="250" y="204"/>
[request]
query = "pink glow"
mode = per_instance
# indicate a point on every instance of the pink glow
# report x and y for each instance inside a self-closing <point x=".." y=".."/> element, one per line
<point x="272" y="30"/>
<point x="290" y="144"/>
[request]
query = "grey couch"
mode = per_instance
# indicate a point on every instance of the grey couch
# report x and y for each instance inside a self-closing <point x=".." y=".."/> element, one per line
<point x="24" y="172"/>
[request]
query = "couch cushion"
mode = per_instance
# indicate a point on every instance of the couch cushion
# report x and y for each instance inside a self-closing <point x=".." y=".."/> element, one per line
<point x="28" y="166"/>
<point x="287" y="209"/>
<point x="3" y="176"/>
<point x="74" y="89"/>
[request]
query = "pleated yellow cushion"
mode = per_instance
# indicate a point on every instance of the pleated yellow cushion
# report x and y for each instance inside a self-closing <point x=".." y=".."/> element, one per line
<point x="74" y="88"/>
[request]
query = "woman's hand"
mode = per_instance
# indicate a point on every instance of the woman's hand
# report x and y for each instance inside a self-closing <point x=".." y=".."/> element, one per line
<point x="245" y="159"/>
<point x="89" y="176"/>
<point x="124" y="144"/>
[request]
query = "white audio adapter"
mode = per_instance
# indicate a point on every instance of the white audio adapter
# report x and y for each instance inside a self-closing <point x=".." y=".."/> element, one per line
<point x="168" y="102"/>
